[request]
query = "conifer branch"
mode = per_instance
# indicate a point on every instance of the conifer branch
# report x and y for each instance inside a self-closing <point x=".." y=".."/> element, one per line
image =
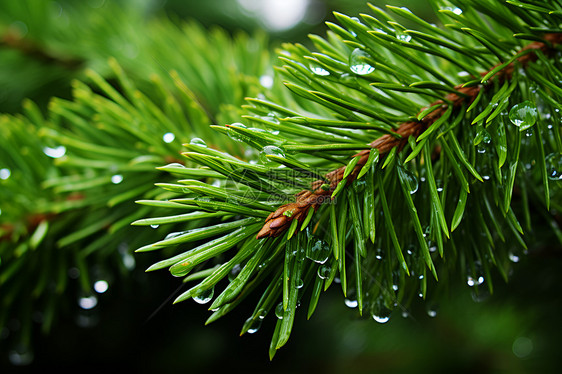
<point x="280" y="220"/>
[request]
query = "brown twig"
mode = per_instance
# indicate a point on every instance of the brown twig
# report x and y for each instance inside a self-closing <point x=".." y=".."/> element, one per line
<point x="12" y="39"/>
<point x="280" y="220"/>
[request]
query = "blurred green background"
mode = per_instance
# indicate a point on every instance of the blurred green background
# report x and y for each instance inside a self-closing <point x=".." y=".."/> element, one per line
<point x="136" y="329"/>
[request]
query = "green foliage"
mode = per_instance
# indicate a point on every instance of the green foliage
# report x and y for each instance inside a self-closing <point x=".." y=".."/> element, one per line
<point x="455" y="202"/>
<point x="70" y="177"/>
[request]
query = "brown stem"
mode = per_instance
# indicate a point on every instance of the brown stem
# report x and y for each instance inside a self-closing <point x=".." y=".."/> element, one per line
<point x="280" y="220"/>
<point x="12" y="39"/>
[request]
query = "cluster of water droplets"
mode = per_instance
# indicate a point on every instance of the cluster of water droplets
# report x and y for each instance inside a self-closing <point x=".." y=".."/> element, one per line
<point x="474" y="280"/>
<point x="475" y="277"/>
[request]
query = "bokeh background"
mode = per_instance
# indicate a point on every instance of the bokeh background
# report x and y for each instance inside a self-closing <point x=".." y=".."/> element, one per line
<point x="135" y="328"/>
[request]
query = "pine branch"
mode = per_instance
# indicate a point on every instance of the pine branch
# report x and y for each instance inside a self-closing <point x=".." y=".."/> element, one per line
<point x="429" y="201"/>
<point x="279" y="221"/>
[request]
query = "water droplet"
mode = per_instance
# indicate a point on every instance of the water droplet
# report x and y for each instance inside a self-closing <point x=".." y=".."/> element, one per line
<point x="19" y="28"/>
<point x="254" y="324"/>
<point x="262" y="313"/>
<point x="318" y="70"/>
<point x="522" y="347"/>
<point x="432" y="311"/>
<point x="324" y="271"/>
<point x="234" y="135"/>
<point x="20" y="356"/>
<point x="513" y="257"/>
<point x="395" y="287"/>
<point x="289" y="213"/>
<point x="318" y="252"/>
<point x="198" y="142"/>
<point x="88" y="302"/>
<point x="409" y="179"/>
<point x="403" y="37"/>
<point x="463" y="74"/>
<point x="168" y="137"/>
<point x="357" y="20"/>
<point x="299" y="283"/>
<point x="5" y="173"/>
<point x="379" y="311"/>
<point x="174" y="234"/>
<point x="266" y="81"/>
<point x="101" y="286"/>
<point x="357" y="62"/>
<point x="128" y="259"/>
<point x="523" y="115"/>
<point x="474" y="281"/>
<point x="483" y="136"/>
<point x="270" y="150"/>
<point x="204" y="296"/>
<point x="554" y="166"/>
<point x="116" y="179"/>
<point x="56" y="152"/>
<point x="381" y="318"/>
<point x="87" y="319"/>
<point x="236" y="269"/>
<point x="351" y="303"/>
<point x="279" y="311"/>
<point x="457" y="11"/>
<point x="154" y="226"/>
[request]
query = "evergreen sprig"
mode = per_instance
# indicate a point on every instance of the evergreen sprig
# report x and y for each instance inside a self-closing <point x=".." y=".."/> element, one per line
<point x="449" y="189"/>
